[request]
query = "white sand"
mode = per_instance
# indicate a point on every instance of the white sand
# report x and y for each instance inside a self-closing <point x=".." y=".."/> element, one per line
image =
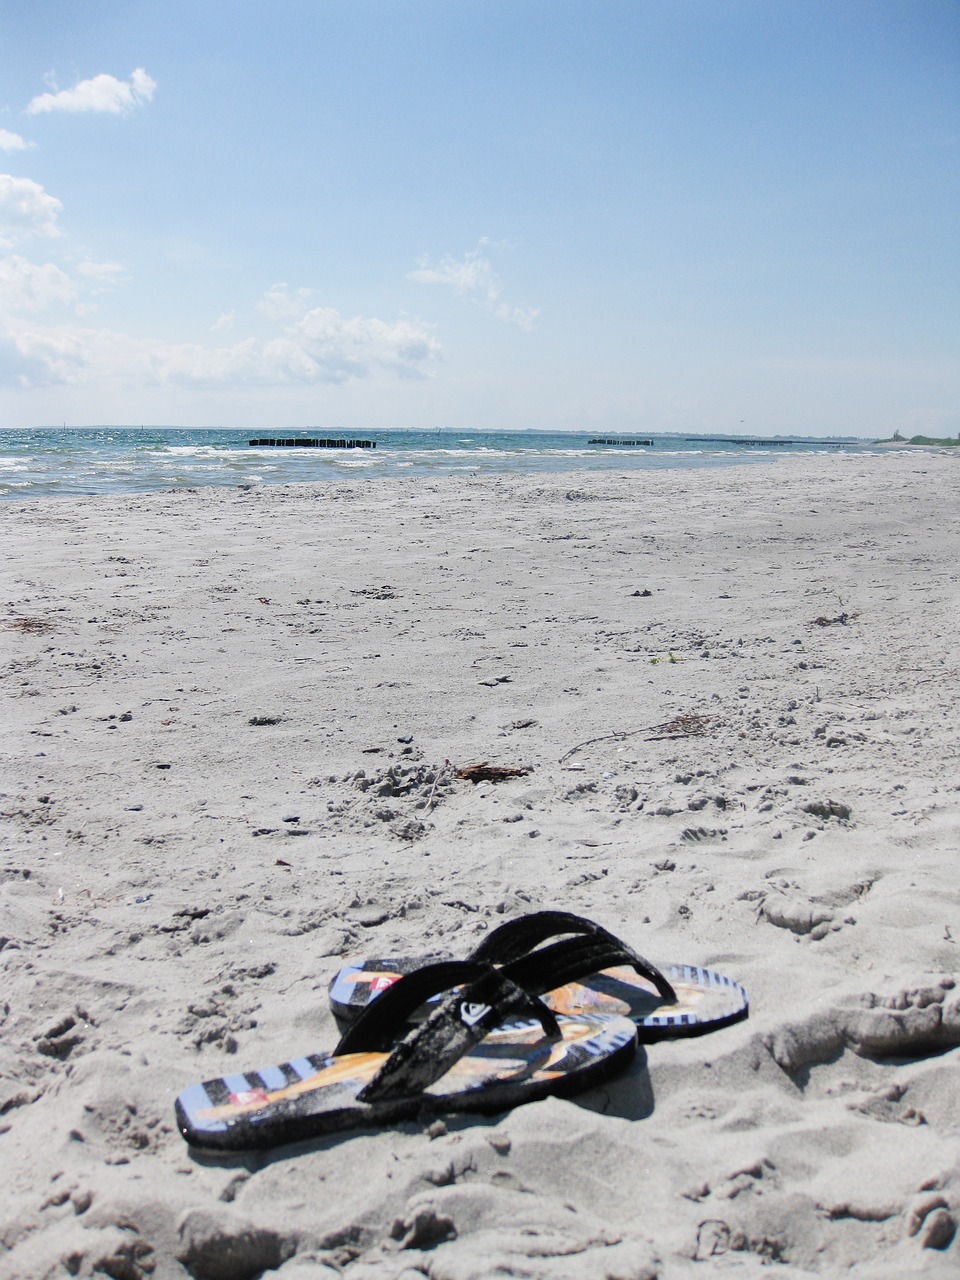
<point x="161" y="924"/>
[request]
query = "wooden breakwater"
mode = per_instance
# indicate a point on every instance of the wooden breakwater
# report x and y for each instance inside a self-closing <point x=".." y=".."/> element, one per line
<point x="611" y="440"/>
<point x="316" y="442"/>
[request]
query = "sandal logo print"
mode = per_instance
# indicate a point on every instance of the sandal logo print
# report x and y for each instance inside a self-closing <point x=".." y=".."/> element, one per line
<point x="471" y="1013"/>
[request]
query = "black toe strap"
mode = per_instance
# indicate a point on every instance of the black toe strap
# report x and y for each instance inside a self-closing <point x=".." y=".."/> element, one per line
<point x="519" y="938"/>
<point x="486" y="999"/>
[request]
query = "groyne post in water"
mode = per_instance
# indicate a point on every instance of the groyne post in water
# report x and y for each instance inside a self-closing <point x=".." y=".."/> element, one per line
<point x="610" y="440"/>
<point x="297" y="442"/>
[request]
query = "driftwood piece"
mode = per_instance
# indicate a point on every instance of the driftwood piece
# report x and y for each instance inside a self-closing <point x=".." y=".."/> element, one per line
<point x="484" y="772"/>
<point x="840" y="620"/>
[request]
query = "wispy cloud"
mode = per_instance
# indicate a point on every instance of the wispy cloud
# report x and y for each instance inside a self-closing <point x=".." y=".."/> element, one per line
<point x="280" y="302"/>
<point x="96" y="278"/>
<point x="13" y="142"/>
<point x="105" y="271"/>
<point x="102" y="93"/>
<point x="25" y="210"/>
<point x="473" y="277"/>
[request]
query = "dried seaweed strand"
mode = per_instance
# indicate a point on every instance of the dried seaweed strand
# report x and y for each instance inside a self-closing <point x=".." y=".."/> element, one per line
<point x="683" y="726"/>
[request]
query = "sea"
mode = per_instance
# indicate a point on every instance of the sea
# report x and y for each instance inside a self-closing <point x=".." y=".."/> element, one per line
<point x="49" y="462"/>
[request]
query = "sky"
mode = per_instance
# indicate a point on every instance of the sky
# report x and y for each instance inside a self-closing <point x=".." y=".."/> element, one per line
<point x="662" y="215"/>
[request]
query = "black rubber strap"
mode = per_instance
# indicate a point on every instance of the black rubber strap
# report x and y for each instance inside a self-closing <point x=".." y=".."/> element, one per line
<point x="382" y="1021"/>
<point x="487" y="998"/>
<point x="573" y="959"/>
<point x="519" y="938"/>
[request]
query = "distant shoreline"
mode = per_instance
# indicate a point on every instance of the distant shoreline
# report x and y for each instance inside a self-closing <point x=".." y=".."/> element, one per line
<point x="920" y="442"/>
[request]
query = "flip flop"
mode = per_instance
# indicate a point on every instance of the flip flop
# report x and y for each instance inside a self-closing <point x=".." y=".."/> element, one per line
<point x="488" y="1046"/>
<point x="681" y="1000"/>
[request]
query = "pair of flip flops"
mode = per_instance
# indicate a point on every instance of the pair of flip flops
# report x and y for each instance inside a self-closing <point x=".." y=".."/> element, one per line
<point x="546" y="1004"/>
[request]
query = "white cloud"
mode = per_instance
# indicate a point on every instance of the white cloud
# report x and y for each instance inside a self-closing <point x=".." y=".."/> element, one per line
<point x="13" y="142"/>
<point x="103" y="93"/>
<point x="335" y="343"/>
<point x="25" y="210"/>
<point x="311" y="344"/>
<point x="31" y="357"/>
<point x="321" y="347"/>
<point x="29" y="287"/>
<point x="474" y="277"/>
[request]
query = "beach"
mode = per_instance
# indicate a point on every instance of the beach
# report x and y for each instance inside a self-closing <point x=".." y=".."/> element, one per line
<point x="235" y="718"/>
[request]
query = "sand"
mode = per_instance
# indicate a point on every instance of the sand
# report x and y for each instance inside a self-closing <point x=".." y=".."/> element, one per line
<point x="234" y="719"/>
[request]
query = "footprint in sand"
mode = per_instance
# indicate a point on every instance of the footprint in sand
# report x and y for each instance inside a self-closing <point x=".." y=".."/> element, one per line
<point x="913" y="1021"/>
<point x="812" y="915"/>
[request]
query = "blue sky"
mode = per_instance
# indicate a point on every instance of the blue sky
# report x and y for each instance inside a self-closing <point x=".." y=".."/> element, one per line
<point x="717" y="215"/>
